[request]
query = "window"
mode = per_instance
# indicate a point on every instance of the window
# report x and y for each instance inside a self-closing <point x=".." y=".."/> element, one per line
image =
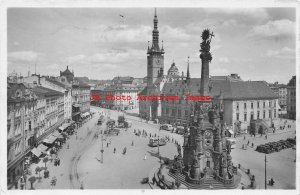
<point x="179" y="113"/>
<point x="274" y="113"/>
<point x="245" y="105"/>
<point x="270" y="103"/>
<point x="264" y="115"/>
<point x="258" y="114"/>
<point x="251" y="105"/>
<point x="252" y="116"/>
<point x="245" y="117"/>
<point x="186" y="113"/>
<point x="257" y="104"/>
<point x="238" y="116"/>
<point x="237" y="105"/>
<point x="270" y="114"/>
<point x="173" y="112"/>
<point x="264" y="104"/>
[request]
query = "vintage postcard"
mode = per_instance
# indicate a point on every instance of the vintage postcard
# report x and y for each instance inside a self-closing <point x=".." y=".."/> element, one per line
<point x="149" y="97"/>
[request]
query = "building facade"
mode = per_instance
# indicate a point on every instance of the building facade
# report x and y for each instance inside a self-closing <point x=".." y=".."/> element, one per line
<point x="20" y="128"/>
<point x="241" y="99"/>
<point x="281" y="91"/>
<point x="291" y="98"/>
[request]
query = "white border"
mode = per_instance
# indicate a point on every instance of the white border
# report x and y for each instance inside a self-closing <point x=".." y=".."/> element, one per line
<point x="4" y="4"/>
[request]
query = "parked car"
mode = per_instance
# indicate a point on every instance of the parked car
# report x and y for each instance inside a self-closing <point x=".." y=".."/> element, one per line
<point x="166" y="127"/>
<point x="180" y="130"/>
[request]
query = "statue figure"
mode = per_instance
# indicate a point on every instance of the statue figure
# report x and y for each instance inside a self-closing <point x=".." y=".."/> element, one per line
<point x="179" y="150"/>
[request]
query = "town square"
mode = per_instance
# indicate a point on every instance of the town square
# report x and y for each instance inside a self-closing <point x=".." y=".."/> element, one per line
<point x="151" y="98"/>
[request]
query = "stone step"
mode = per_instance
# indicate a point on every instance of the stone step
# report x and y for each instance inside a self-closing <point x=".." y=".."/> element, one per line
<point x="206" y="185"/>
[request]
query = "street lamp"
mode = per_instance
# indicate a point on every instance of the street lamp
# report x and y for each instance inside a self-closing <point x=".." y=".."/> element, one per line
<point x="265" y="171"/>
<point x="158" y="149"/>
<point x="102" y="150"/>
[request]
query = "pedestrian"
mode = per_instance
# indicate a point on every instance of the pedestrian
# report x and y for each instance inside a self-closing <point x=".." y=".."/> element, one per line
<point x="81" y="186"/>
<point x="244" y="137"/>
<point x="145" y="157"/>
<point x="150" y="134"/>
<point x="248" y="142"/>
<point x="153" y="179"/>
<point x="155" y="135"/>
<point x="132" y="143"/>
<point x="68" y="146"/>
<point x="266" y="137"/>
<point x="252" y="145"/>
<point x="114" y="150"/>
<point x="107" y="145"/>
<point x="58" y="161"/>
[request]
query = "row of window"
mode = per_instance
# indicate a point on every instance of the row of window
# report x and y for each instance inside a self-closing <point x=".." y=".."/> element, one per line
<point x="258" y="104"/>
<point x="172" y="111"/>
<point x="258" y="116"/>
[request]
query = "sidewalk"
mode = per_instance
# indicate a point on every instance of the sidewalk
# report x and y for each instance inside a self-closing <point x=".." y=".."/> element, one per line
<point x="65" y="155"/>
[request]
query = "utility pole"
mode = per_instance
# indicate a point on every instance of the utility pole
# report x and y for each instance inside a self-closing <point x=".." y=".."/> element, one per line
<point x="102" y="149"/>
<point x="158" y="146"/>
<point x="265" y="171"/>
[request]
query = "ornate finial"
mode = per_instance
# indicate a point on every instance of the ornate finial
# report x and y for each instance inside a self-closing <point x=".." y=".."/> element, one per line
<point x="162" y="44"/>
<point x="155" y="13"/>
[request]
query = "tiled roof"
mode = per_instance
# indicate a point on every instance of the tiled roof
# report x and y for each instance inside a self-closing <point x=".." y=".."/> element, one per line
<point x="80" y="83"/>
<point x="237" y="90"/>
<point x="43" y="91"/>
<point x="144" y="91"/>
<point x="55" y="82"/>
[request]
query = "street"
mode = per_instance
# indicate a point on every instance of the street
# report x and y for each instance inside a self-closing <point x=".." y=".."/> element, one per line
<point x="81" y="163"/>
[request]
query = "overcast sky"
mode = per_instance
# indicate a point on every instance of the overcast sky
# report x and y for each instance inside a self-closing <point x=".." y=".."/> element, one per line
<point x="256" y="43"/>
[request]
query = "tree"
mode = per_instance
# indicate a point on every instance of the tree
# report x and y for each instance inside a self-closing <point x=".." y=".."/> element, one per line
<point x="38" y="169"/>
<point x="121" y="119"/>
<point x="32" y="179"/>
<point x="45" y="160"/>
<point x="260" y="130"/>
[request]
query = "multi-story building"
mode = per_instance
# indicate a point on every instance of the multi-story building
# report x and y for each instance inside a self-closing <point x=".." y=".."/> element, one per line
<point x="281" y="91"/>
<point x="291" y="98"/>
<point x="80" y="97"/>
<point x="52" y="83"/>
<point x="51" y="109"/>
<point x="243" y="101"/>
<point x="20" y="128"/>
<point x="111" y="97"/>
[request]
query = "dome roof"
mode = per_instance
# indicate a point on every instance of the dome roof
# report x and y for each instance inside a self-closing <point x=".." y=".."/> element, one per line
<point x="173" y="70"/>
<point x="67" y="72"/>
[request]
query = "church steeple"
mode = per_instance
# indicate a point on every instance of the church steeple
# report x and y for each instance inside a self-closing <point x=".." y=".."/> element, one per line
<point x="155" y="33"/>
<point x="188" y="76"/>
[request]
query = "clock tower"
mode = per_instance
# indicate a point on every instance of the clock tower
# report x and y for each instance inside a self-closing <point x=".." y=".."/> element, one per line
<point x="155" y="56"/>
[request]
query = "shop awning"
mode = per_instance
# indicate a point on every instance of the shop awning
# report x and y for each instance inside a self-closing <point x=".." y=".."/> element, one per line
<point x="42" y="148"/>
<point x="64" y="126"/>
<point x="36" y="152"/>
<point x="50" y="139"/>
<point x="56" y="134"/>
<point x="77" y="105"/>
<point x="230" y="131"/>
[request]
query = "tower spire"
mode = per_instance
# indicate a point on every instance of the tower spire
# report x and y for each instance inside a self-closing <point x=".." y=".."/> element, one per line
<point x="155" y="33"/>
<point x="188" y="71"/>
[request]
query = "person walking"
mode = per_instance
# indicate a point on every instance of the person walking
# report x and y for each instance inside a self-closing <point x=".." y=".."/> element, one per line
<point x="132" y="143"/>
<point x="252" y="144"/>
<point x="107" y="145"/>
<point x="114" y="150"/>
<point x="145" y="157"/>
<point x="248" y="142"/>
<point x="266" y="137"/>
<point x="244" y="137"/>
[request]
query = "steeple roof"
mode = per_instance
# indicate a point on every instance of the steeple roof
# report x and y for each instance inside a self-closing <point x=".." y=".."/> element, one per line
<point x="67" y="72"/>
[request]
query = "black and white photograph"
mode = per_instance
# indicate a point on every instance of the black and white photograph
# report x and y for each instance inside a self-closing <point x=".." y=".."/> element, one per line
<point x="150" y="98"/>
